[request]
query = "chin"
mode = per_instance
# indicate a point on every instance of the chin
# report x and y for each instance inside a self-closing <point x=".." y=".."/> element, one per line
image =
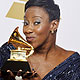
<point x="35" y="46"/>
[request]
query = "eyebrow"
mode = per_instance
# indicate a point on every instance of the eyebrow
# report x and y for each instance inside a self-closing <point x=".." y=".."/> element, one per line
<point x="37" y="16"/>
<point x="34" y="17"/>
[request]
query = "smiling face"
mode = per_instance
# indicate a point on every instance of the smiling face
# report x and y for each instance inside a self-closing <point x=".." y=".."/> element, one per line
<point x="36" y="26"/>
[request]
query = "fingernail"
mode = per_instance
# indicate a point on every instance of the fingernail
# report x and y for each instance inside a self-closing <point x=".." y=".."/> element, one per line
<point x="28" y="72"/>
<point x="20" y="70"/>
<point x="8" y="70"/>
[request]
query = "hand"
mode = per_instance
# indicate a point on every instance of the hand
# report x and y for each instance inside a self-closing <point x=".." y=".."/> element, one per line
<point x="31" y="76"/>
<point x="7" y="75"/>
<point x="26" y="76"/>
<point x="15" y="77"/>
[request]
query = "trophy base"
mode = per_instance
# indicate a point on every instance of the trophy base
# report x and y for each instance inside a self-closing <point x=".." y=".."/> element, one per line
<point x="15" y="66"/>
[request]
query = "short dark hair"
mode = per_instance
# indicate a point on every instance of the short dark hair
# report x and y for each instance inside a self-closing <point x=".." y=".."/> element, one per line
<point x="51" y="8"/>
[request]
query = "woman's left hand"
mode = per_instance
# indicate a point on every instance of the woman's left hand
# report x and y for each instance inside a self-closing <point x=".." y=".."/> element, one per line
<point x="31" y="76"/>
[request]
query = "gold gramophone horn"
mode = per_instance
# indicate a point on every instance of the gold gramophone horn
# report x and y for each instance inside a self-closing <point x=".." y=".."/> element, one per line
<point x="20" y="43"/>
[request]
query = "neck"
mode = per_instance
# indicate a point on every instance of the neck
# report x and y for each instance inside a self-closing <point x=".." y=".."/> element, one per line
<point x="47" y="47"/>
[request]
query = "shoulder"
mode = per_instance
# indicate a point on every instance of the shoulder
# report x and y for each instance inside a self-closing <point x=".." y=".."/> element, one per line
<point x="5" y="52"/>
<point x="65" y="53"/>
<point x="4" y="48"/>
<point x="73" y="66"/>
<point x="7" y="46"/>
<point x="67" y="70"/>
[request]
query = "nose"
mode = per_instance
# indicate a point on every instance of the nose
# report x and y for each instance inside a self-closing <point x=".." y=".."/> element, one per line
<point x="27" y="30"/>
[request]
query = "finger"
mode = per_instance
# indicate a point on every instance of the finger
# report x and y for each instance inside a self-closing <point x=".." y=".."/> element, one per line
<point x="25" y="79"/>
<point x="20" y="70"/>
<point x="11" y="74"/>
<point x="0" y="72"/>
<point x="27" y="75"/>
<point x="35" y="75"/>
<point x="19" y="73"/>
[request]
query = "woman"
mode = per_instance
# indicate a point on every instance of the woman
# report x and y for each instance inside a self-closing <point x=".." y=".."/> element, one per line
<point x="50" y="61"/>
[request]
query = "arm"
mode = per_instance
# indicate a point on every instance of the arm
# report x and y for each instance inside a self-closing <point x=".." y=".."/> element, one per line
<point x="5" y="52"/>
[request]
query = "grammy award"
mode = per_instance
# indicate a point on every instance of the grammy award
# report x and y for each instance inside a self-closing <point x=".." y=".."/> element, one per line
<point x="18" y="56"/>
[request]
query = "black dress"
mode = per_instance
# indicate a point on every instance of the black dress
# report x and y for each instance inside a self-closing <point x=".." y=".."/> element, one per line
<point x="67" y="70"/>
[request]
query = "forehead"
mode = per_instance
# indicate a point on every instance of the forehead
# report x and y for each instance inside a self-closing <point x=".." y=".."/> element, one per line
<point x="36" y="11"/>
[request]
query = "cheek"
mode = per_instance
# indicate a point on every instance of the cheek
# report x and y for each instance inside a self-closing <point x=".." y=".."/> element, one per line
<point x="41" y="35"/>
<point x="42" y="30"/>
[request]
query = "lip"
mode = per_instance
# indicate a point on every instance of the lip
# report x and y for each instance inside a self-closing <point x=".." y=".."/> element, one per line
<point x="30" y="38"/>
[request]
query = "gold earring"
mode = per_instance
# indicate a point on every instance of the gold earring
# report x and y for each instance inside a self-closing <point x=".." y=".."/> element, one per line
<point x="52" y="31"/>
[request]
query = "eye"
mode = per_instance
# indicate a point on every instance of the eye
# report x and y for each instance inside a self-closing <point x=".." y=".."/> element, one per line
<point x="37" y="22"/>
<point x="25" y="23"/>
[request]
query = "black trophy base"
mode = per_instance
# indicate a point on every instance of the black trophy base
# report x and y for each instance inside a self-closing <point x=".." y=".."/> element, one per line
<point x="15" y="66"/>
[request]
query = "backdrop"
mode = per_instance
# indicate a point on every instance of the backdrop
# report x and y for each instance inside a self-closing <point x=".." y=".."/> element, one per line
<point x="11" y="16"/>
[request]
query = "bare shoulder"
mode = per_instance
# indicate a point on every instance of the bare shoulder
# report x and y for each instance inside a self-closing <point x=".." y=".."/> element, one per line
<point x="69" y="53"/>
<point x="65" y="53"/>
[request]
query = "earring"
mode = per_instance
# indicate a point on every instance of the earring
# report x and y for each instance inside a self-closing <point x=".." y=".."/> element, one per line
<point x="52" y="31"/>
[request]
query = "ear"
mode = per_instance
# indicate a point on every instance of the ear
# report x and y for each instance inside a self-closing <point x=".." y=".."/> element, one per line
<point x="54" y="25"/>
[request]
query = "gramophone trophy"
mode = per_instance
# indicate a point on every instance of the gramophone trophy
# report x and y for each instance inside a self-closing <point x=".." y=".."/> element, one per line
<point x="18" y="57"/>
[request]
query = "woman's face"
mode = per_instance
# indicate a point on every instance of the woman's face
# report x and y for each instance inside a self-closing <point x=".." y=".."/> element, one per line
<point x="36" y="26"/>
